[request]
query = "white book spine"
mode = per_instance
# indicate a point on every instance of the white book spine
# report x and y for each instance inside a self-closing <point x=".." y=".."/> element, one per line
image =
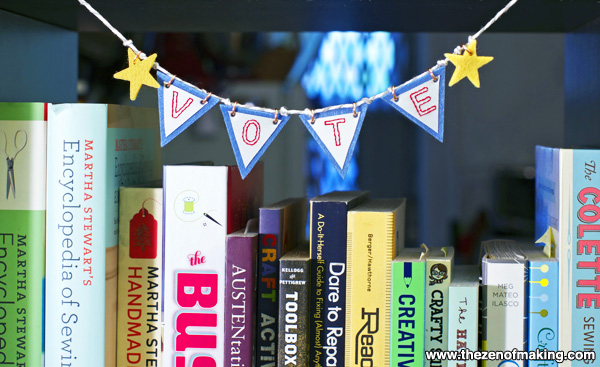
<point x="195" y="217"/>
<point x="506" y="308"/>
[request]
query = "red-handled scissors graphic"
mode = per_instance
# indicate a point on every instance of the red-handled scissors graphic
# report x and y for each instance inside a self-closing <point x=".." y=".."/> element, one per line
<point x="10" y="161"/>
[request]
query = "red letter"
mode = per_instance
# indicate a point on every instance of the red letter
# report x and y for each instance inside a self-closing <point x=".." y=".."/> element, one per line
<point x="586" y="227"/>
<point x="256" y="133"/>
<point x="587" y="246"/>
<point x="269" y="240"/>
<point x="588" y="190"/>
<point x="183" y="340"/>
<point x="587" y="299"/>
<point x="175" y="112"/>
<point x="197" y="288"/>
<point x="590" y="265"/>
<point x="590" y="283"/>
<point x="336" y="129"/>
<point x="583" y="216"/>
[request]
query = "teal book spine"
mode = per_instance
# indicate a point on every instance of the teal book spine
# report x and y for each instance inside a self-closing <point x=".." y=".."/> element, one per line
<point x="583" y="243"/>
<point x="22" y="232"/>
<point x="408" y="313"/>
<point x="76" y="236"/>
<point x="543" y="308"/>
<point x="463" y="313"/>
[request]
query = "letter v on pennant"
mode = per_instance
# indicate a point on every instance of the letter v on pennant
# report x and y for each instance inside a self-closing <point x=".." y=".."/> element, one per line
<point x="422" y="101"/>
<point x="336" y="132"/>
<point x="251" y="132"/>
<point x="179" y="106"/>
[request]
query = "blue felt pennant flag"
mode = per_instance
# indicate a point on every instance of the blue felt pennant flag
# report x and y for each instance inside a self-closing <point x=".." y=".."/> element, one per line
<point x="251" y="132"/>
<point x="422" y="101"/>
<point x="336" y="132"/>
<point x="179" y="105"/>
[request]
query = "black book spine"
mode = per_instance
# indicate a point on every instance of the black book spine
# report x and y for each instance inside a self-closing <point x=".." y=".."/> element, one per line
<point x="294" y="290"/>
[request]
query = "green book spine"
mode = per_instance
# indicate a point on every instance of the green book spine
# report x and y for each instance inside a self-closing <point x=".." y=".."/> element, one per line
<point x="22" y="232"/>
<point x="439" y="274"/>
<point x="408" y="313"/>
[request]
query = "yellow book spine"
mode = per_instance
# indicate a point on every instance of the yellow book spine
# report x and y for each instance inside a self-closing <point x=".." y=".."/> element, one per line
<point x="371" y="249"/>
<point x="139" y="324"/>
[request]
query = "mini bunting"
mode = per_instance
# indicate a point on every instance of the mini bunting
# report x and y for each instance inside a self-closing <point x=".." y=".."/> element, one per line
<point x="179" y="106"/>
<point x="467" y="64"/>
<point x="137" y="73"/>
<point x="251" y="132"/>
<point x="422" y="101"/>
<point x="336" y="132"/>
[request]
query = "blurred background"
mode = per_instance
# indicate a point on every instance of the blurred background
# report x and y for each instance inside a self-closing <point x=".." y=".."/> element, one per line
<point x="477" y="184"/>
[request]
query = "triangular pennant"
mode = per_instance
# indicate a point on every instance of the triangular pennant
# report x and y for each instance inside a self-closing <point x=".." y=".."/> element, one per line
<point x="179" y="106"/>
<point x="336" y="131"/>
<point x="422" y="101"/>
<point x="251" y="132"/>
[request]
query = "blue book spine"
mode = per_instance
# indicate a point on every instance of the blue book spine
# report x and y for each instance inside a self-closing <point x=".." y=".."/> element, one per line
<point x="328" y="302"/>
<point x="267" y="313"/>
<point x="543" y="308"/>
<point x="546" y="189"/>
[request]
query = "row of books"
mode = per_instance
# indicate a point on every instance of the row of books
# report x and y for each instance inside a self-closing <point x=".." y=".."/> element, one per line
<point x="59" y="226"/>
<point x="186" y="275"/>
<point x="344" y="300"/>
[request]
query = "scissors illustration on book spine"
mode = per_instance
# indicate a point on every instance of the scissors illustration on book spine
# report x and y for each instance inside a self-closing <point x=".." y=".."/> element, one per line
<point x="10" y="162"/>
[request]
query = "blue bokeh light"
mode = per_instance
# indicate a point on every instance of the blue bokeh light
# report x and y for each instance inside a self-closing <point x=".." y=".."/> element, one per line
<point x="348" y="67"/>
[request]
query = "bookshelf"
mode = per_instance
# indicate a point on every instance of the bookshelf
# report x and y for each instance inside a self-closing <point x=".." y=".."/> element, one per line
<point x="33" y="28"/>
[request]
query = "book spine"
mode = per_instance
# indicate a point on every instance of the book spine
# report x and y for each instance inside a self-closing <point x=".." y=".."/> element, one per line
<point x="584" y="246"/>
<point x="328" y="283"/>
<point x="506" y="309"/>
<point x="463" y="322"/>
<point x="139" y="296"/>
<point x="240" y="293"/>
<point x="408" y="314"/>
<point x="22" y="233"/>
<point x="439" y="274"/>
<point x="131" y="159"/>
<point x="75" y="237"/>
<point x="194" y="265"/>
<point x="543" y="308"/>
<point x="267" y="307"/>
<point x="371" y="248"/>
<point x="553" y="191"/>
<point x="293" y="317"/>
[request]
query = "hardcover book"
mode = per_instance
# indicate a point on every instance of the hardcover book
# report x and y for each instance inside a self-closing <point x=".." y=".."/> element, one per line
<point x="202" y="204"/>
<point x="328" y="225"/>
<point x="542" y="286"/>
<point x="281" y="228"/>
<point x="294" y="296"/>
<point x="438" y="270"/>
<point x="92" y="149"/>
<point x="567" y="190"/>
<point x="463" y="312"/>
<point x="503" y="277"/>
<point x="408" y="308"/>
<point x="139" y="298"/>
<point x="240" y="295"/>
<point x="22" y="231"/>
<point x="375" y="232"/>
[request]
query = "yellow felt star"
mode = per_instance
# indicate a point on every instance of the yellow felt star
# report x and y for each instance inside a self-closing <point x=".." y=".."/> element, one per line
<point x="138" y="73"/>
<point x="467" y="64"/>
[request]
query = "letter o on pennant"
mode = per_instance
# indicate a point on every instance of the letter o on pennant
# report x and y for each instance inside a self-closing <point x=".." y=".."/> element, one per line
<point x="245" y="133"/>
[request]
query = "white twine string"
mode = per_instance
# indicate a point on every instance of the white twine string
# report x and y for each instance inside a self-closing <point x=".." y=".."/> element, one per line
<point x="282" y="110"/>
